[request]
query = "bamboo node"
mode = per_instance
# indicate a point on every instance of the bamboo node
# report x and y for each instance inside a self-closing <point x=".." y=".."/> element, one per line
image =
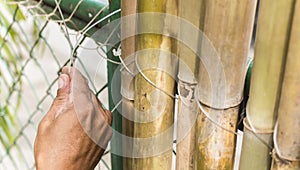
<point x="211" y="119"/>
<point x="252" y="128"/>
<point x="277" y="150"/>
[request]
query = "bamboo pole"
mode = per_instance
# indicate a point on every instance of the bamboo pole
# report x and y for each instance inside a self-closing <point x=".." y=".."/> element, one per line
<point x="228" y="25"/>
<point x="270" y="51"/>
<point x="187" y="106"/>
<point x="146" y="94"/>
<point x="279" y="164"/>
<point x="215" y="146"/>
<point x="287" y="132"/>
<point x="128" y="25"/>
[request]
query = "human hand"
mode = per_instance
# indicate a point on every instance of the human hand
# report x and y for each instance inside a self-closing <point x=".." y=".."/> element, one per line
<point x="62" y="141"/>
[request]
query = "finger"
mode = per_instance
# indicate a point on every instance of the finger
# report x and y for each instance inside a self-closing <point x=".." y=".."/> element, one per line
<point x="80" y="89"/>
<point x="63" y="90"/>
<point x="61" y="99"/>
<point x="74" y="74"/>
<point x="67" y="70"/>
<point x="108" y="117"/>
<point x="82" y="95"/>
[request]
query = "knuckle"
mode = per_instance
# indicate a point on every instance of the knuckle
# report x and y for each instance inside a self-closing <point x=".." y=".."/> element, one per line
<point x="108" y="117"/>
<point x="61" y="95"/>
<point x="60" y="99"/>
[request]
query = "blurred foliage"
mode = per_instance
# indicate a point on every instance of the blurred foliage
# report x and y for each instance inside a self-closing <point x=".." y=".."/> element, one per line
<point x="14" y="43"/>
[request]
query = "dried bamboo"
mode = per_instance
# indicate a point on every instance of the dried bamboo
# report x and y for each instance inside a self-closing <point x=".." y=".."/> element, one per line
<point x="155" y="101"/>
<point x="128" y="26"/>
<point x="188" y="68"/>
<point x="270" y="51"/>
<point x="216" y="146"/>
<point x="187" y="109"/>
<point x="287" y="132"/>
<point x="228" y="25"/>
<point x="279" y="164"/>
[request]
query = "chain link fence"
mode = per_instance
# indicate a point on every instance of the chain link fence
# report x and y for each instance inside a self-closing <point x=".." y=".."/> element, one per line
<point x="35" y="45"/>
<point x="37" y="39"/>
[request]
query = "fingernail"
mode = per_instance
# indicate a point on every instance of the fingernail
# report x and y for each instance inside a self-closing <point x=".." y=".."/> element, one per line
<point x="61" y="83"/>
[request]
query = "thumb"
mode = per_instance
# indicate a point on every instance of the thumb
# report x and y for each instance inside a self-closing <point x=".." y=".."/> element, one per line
<point x="63" y="87"/>
<point x="61" y="98"/>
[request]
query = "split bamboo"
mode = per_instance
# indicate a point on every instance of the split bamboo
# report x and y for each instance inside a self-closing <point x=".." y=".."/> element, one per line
<point x="270" y="51"/>
<point x="287" y="132"/>
<point x="187" y="74"/>
<point x="148" y="98"/>
<point x="228" y="25"/>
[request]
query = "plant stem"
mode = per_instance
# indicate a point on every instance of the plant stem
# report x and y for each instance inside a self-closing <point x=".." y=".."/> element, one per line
<point x="149" y="100"/>
<point x="228" y="28"/>
<point x="270" y="51"/>
<point x="187" y="75"/>
<point x="287" y="134"/>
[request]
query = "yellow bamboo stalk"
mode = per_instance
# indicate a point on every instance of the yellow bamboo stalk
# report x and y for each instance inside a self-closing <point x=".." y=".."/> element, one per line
<point x="215" y="146"/>
<point x="287" y="133"/>
<point x="270" y="51"/>
<point x="129" y="7"/>
<point x="188" y="68"/>
<point x="228" y="25"/>
<point x="148" y="98"/>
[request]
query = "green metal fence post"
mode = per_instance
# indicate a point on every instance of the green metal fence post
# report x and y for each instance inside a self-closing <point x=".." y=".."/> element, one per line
<point x="116" y="160"/>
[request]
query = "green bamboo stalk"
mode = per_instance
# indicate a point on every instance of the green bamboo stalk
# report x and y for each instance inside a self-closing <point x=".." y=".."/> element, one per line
<point x="146" y="94"/>
<point x="270" y="51"/>
<point x="187" y="106"/>
<point x="287" y="134"/>
<point x="116" y="160"/>
<point x="129" y="7"/>
<point x="228" y="25"/>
